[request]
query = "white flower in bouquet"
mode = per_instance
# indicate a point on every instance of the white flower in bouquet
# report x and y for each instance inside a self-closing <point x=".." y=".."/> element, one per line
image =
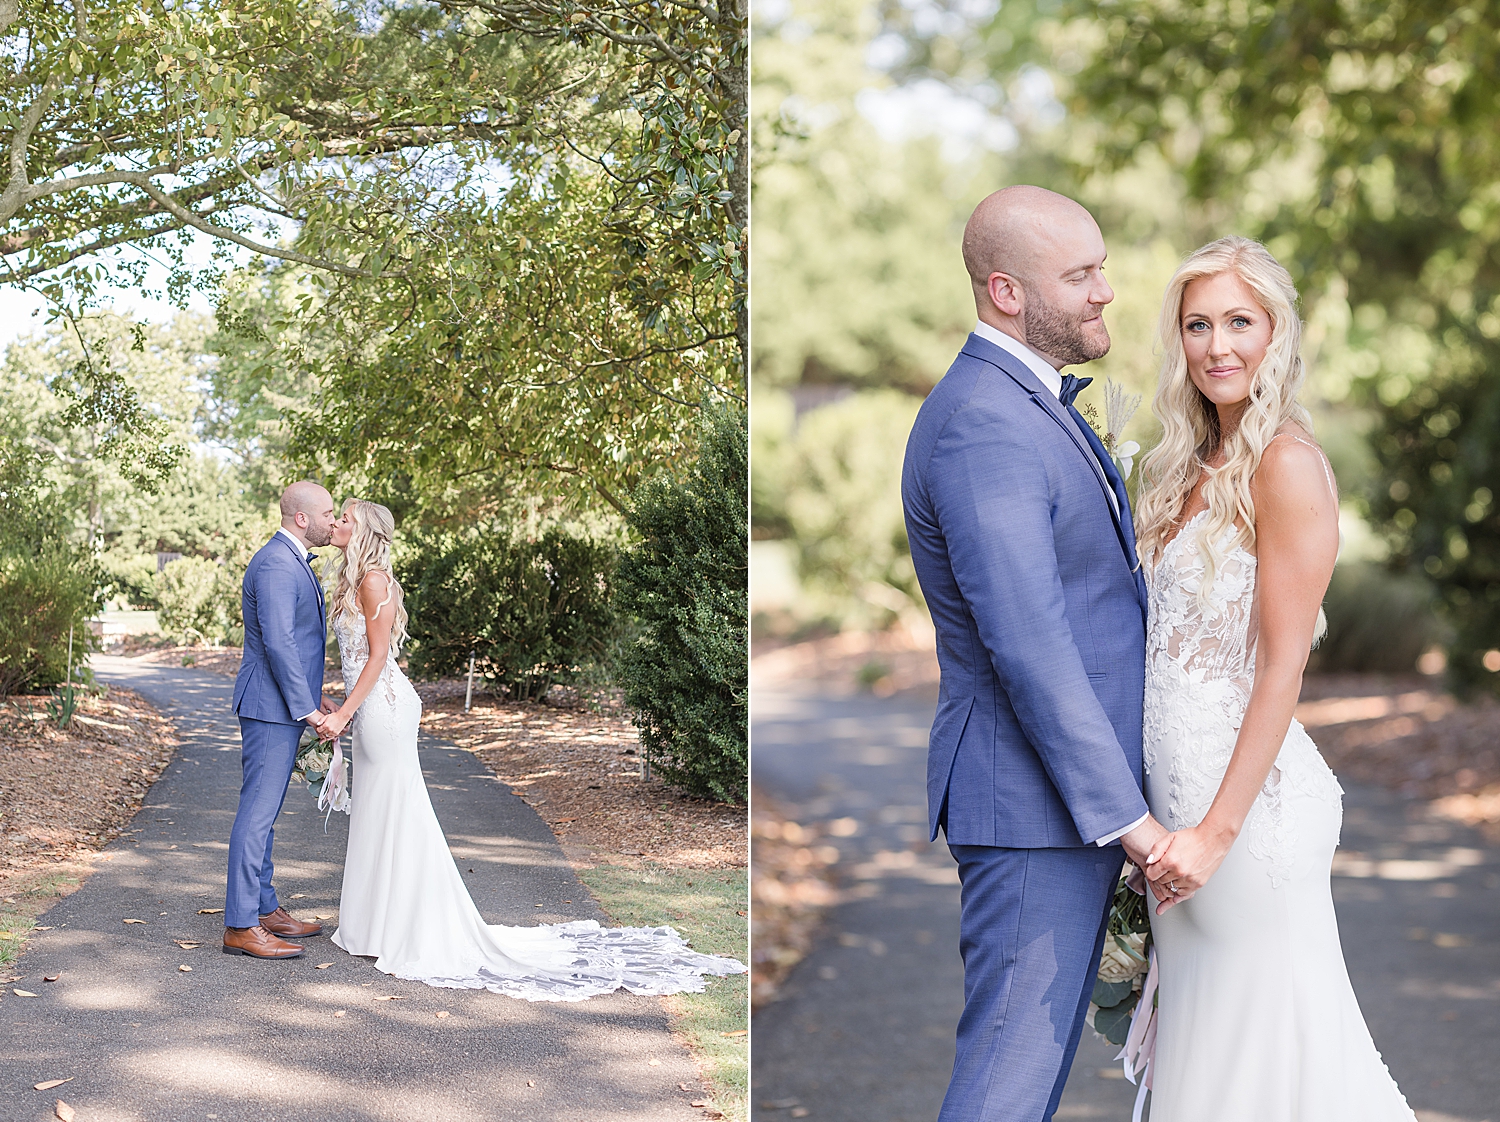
<point x="1120" y="965"/>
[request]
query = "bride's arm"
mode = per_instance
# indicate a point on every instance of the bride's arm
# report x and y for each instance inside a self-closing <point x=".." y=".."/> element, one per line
<point x="1297" y="542"/>
<point x="379" y="610"/>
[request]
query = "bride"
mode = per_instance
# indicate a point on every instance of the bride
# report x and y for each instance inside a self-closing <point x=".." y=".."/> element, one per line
<point x="1238" y="531"/>
<point x="404" y="902"/>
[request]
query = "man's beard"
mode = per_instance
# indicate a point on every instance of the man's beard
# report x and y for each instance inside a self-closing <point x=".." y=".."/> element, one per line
<point x="1051" y="332"/>
<point x="318" y="536"/>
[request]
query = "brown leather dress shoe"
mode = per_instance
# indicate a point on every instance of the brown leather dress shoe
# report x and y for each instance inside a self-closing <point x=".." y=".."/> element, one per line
<point x="279" y="923"/>
<point x="257" y="942"/>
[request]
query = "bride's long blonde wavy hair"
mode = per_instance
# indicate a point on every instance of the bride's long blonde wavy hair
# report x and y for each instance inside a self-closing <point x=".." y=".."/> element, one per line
<point x="1190" y="423"/>
<point x="369" y="551"/>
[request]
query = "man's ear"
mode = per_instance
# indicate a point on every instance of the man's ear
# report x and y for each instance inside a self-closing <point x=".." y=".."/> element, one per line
<point x="1005" y="293"/>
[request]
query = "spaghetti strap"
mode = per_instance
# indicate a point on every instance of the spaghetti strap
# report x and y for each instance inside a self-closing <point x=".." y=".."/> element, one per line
<point x="1322" y="457"/>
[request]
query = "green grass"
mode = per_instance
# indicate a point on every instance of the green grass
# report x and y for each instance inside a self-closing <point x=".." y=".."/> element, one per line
<point x="703" y="904"/>
<point x="21" y="902"/>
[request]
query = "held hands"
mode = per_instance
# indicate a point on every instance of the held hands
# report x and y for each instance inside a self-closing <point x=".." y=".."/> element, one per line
<point x="1180" y="863"/>
<point x="333" y="725"/>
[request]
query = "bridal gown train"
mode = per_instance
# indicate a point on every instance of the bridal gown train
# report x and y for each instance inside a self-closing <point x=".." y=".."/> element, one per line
<point x="405" y="903"/>
<point x="1257" y="1021"/>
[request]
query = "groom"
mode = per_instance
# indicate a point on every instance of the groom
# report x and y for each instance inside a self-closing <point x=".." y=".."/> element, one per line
<point x="279" y="692"/>
<point x="1020" y="531"/>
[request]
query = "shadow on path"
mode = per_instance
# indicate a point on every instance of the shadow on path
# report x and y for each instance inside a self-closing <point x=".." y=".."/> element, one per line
<point x="864" y="1029"/>
<point x="241" y="1039"/>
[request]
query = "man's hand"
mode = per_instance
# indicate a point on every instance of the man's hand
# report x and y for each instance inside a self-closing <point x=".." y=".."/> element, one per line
<point x="315" y="720"/>
<point x="1138" y="845"/>
<point x="328" y="705"/>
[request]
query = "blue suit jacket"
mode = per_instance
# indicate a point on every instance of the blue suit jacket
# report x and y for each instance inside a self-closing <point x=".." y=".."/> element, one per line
<point x="281" y="673"/>
<point x="1039" y="607"/>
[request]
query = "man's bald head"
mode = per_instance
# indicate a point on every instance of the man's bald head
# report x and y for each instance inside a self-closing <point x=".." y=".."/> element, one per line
<point x="1014" y="230"/>
<point x="1036" y="261"/>
<point x="307" y="511"/>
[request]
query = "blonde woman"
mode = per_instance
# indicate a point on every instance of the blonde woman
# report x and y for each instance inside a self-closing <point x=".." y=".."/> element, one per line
<point x="404" y="902"/>
<point x="1238" y="530"/>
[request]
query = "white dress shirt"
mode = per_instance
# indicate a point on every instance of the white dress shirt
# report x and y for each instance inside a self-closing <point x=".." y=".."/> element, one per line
<point x="302" y="551"/>
<point x="1049" y="377"/>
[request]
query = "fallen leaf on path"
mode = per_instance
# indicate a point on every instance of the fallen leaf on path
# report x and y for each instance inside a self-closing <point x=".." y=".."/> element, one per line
<point x="322" y="917"/>
<point x="736" y="1032"/>
<point x="171" y="847"/>
<point x="297" y="896"/>
<point x="210" y="911"/>
<point x="442" y="1014"/>
<point x="52" y="977"/>
<point x="323" y="966"/>
<point x="51" y="1083"/>
<point x="185" y="969"/>
<point x="654" y="1062"/>
<point x="391" y="997"/>
<point x="23" y="993"/>
<point x="367" y="983"/>
<point x="683" y="1087"/>
<point x="698" y="1102"/>
<point x="140" y="921"/>
<point x="64" y="1111"/>
<point x="340" y="1013"/>
<point x="531" y="1083"/>
<point x="187" y="944"/>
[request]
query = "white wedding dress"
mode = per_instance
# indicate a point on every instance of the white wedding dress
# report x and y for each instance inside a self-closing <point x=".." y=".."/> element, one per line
<point x="405" y="904"/>
<point x="1257" y="1021"/>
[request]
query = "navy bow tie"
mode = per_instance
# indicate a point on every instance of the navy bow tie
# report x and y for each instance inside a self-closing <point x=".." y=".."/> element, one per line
<point x="311" y="557"/>
<point x="1072" y="386"/>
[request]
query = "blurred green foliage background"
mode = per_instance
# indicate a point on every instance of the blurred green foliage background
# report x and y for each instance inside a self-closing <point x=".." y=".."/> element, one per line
<point x="1356" y="139"/>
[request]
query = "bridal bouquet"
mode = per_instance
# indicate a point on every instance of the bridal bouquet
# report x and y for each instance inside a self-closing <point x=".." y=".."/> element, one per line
<point x="1123" y="1007"/>
<point x="322" y="765"/>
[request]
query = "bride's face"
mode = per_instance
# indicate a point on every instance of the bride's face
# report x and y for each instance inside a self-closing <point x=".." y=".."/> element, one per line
<point x="343" y="529"/>
<point x="1225" y="335"/>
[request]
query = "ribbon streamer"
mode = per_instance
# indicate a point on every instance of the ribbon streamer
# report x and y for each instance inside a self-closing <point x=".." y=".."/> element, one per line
<point x="335" y="793"/>
<point x="1139" y="1053"/>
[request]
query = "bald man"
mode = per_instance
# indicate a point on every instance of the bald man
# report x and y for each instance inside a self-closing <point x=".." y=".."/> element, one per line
<point x="279" y="693"/>
<point x="1020" y="531"/>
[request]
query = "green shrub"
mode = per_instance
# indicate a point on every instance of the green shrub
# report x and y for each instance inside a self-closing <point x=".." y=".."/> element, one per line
<point x="531" y="612"/>
<point x="843" y="502"/>
<point x="41" y="597"/>
<point x="47" y="585"/>
<point x="131" y="578"/>
<point x="199" y="601"/>
<point x="1377" y="620"/>
<point x="686" y="583"/>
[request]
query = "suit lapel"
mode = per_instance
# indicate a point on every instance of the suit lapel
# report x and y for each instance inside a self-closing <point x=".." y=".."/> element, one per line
<point x="312" y="576"/>
<point x="1090" y="447"/>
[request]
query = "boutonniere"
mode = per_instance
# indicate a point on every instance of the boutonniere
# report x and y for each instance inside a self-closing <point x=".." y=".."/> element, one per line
<point x="1119" y="407"/>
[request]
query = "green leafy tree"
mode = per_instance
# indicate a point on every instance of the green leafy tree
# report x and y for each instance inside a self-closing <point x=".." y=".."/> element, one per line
<point x="685" y="582"/>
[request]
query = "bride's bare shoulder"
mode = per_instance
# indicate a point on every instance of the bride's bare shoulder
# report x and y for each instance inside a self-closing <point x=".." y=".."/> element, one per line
<point x="1294" y="472"/>
<point x="373" y="587"/>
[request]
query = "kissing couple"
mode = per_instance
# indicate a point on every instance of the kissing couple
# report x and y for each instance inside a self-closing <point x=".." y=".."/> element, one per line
<point x="1122" y="687"/>
<point x="403" y="902"/>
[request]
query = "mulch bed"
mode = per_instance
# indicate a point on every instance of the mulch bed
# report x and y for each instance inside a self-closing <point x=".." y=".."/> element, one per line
<point x="577" y="761"/>
<point x="65" y="793"/>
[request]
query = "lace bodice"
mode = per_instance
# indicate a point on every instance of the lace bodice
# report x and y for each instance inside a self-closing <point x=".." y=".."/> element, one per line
<point x="354" y="654"/>
<point x="1200" y="669"/>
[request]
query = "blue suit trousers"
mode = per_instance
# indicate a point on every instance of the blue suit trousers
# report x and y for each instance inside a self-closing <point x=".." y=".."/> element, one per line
<point x="268" y="751"/>
<point x="1031" y="932"/>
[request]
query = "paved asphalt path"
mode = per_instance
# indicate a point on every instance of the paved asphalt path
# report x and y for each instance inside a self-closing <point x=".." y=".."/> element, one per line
<point x="238" y="1039"/>
<point x="864" y="1031"/>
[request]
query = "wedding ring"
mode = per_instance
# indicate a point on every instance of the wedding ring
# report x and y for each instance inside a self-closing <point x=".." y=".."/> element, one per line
<point x="1172" y="886"/>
